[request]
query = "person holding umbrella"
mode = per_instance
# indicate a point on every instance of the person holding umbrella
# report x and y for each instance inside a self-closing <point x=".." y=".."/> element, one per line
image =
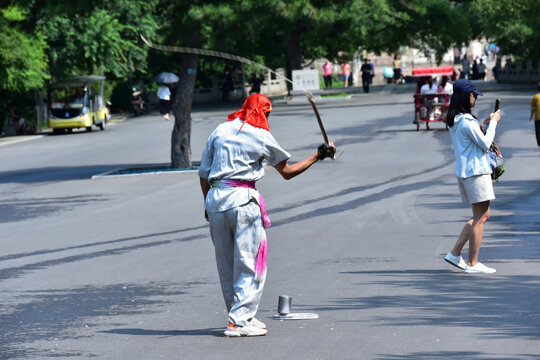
<point x="164" y="92"/>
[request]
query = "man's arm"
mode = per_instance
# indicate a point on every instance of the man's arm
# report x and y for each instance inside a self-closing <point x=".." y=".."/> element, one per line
<point x="205" y="187"/>
<point x="289" y="171"/>
<point x="532" y="114"/>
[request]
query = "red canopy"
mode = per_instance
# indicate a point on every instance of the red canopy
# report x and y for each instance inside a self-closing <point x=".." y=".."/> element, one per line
<point x="433" y="71"/>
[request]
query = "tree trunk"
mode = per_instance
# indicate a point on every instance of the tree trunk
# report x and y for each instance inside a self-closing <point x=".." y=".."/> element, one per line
<point x="181" y="108"/>
<point x="293" y="54"/>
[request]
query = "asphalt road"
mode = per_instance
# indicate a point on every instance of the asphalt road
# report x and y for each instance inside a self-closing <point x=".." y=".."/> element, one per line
<point x="123" y="267"/>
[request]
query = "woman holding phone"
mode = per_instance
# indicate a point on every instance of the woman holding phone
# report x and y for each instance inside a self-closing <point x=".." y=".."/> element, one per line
<point x="472" y="170"/>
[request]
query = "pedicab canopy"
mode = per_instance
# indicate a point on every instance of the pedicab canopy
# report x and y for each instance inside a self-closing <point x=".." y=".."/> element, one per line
<point x="433" y="71"/>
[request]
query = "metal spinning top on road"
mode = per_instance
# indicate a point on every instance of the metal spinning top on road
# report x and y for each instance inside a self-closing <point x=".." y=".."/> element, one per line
<point x="284" y="308"/>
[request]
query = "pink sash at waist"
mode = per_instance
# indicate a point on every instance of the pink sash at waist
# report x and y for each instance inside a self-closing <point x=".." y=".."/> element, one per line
<point x="249" y="185"/>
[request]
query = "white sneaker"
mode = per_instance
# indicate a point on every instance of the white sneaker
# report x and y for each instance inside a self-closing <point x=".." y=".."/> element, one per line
<point x="257" y="323"/>
<point x="479" y="268"/>
<point x="248" y="330"/>
<point x="456" y="261"/>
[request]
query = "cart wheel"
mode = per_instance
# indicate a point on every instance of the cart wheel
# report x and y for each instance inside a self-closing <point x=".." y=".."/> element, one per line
<point x="427" y="126"/>
<point x="417" y="120"/>
<point x="446" y="125"/>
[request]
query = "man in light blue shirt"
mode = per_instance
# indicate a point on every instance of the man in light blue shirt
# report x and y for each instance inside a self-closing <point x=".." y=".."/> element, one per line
<point x="233" y="160"/>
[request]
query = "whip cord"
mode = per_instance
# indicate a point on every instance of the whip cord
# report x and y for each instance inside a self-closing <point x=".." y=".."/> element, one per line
<point x="219" y="54"/>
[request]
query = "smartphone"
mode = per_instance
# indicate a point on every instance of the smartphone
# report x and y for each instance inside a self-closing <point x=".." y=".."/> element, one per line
<point x="497" y="104"/>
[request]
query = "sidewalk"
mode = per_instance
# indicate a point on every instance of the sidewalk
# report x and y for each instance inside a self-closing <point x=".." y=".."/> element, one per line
<point x="410" y="88"/>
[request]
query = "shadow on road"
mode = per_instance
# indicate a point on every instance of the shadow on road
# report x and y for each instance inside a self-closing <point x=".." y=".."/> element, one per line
<point x="498" y="306"/>
<point x="13" y="210"/>
<point x="57" y="173"/>
<point x="16" y="271"/>
<point x="54" y="315"/>
<point x="469" y="355"/>
<point x="217" y="332"/>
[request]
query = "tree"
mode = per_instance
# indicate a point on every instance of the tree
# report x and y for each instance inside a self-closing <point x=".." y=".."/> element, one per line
<point x="23" y="63"/>
<point x="513" y="24"/>
<point x="298" y="31"/>
<point x="194" y="24"/>
<point x="292" y="31"/>
<point x="275" y="31"/>
<point x="95" y="37"/>
<point x="436" y="25"/>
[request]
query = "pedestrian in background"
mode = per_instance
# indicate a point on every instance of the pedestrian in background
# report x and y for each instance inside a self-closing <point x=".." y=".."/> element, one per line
<point x="466" y="67"/>
<point x="481" y="70"/>
<point x="327" y="74"/>
<point x="397" y="69"/>
<point x="17" y="122"/>
<point x="457" y="55"/>
<point x="474" y="75"/>
<point x="372" y="73"/>
<point x="366" y="75"/>
<point x="535" y="112"/>
<point x="164" y="99"/>
<point x="346" y="71"/>
<point x="255" y="83"/>
<point x="473" y="172"/>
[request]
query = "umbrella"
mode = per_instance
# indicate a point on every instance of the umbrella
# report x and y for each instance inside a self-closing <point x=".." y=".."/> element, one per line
<point x="388" y="72"/>
<point x="166" y="78"/>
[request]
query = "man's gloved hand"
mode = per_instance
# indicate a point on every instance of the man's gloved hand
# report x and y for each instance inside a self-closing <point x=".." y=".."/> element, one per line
<point x="326" y="150"/>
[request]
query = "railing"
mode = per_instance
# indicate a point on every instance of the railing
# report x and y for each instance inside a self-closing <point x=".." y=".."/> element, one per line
<point x="517" y="72"/>
<point x="269" y="87"/>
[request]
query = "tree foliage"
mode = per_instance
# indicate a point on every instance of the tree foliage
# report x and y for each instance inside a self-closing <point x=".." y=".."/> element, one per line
<point x="95" y="37"/>
<point x="102" y="36"/>
<point x="512" y="24"/>
<point x="23" y="63"/>
<point x="64" y="38"/>
<point x="433" y="26"/>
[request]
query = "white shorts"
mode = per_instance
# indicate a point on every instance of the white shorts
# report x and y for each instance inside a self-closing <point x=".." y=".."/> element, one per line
<point x="476" y="189"/>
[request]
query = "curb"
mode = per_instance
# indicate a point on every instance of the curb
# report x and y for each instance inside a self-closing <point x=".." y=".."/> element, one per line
<point x="156" y="169"/>
<point x="16" y="139"/>
<point x="300" y="100"/>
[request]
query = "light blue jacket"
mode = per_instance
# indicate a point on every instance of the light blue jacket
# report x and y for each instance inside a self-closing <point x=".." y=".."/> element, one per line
<point x="470" y="145"/>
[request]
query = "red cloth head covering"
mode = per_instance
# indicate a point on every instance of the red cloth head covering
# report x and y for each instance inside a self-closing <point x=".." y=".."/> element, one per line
<point x="253" y="111"/>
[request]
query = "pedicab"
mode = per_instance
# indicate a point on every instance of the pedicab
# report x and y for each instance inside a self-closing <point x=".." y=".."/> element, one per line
<point x="431" y="106"/>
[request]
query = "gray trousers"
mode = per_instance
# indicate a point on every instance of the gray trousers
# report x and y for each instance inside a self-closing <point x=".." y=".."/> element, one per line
<point x="237" y="234"/>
